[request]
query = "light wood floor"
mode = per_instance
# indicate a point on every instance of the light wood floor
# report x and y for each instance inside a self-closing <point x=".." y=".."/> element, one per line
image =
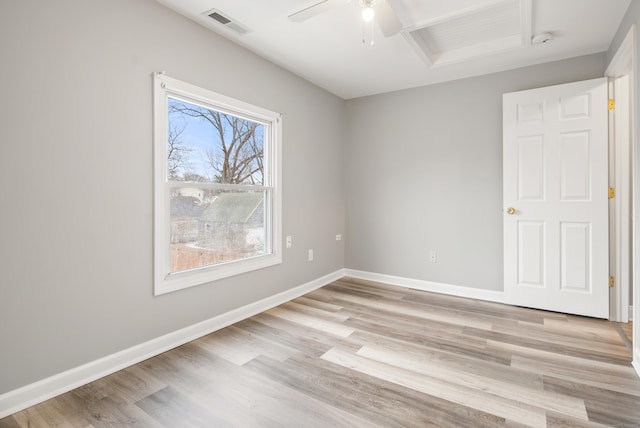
<point x="360" y="354"/>
<point x="627" y="330"/>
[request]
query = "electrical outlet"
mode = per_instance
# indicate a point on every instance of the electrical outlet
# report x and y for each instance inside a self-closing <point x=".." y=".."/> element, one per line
<point x="433" y="256"/>
<point x="311" y="255"/>
<point x="338" y="237"/>
<point x="288" y="241"/>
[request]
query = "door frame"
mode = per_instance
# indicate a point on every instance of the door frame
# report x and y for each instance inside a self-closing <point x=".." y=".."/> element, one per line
<point x="620" y="210"/>
<point x="624" y="63"/>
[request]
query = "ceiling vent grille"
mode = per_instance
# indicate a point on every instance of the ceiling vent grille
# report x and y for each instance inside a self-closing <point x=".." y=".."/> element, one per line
<point x="224" y="20"/>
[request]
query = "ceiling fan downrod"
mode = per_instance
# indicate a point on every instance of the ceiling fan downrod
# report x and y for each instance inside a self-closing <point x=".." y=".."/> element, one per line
<point x="368" y="15"/>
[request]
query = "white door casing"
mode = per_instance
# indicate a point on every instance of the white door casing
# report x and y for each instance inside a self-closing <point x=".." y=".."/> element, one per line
<point x="620" y="207"/>
<point x="624" y="65"/>
<point x="555" y="167"/>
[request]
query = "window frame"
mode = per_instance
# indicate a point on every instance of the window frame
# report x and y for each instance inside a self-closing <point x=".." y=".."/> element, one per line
<point x="164" y="281"/>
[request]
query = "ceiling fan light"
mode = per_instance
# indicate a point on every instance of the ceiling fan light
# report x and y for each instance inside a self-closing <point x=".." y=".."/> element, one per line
<point x="367" y="14"/>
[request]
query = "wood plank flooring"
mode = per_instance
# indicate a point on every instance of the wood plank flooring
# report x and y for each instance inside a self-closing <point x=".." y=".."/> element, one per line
<point x="363" y="354"/>
<point x="627" y="330"/>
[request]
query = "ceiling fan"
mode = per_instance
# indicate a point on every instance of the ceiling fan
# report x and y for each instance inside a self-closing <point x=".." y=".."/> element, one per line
<point x="385" y="17"/>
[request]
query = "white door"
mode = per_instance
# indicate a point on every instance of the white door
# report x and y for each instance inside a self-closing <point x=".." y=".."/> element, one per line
<point x="555" y="176"/>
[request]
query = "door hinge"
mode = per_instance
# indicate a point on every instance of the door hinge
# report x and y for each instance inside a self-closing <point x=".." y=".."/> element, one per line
<point x="612" y="104"/>
<point x="612" y="193"/>
<point x="612" y="281"/>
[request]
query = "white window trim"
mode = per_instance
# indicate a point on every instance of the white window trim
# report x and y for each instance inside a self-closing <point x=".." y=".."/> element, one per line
<point x="164" y="282"/>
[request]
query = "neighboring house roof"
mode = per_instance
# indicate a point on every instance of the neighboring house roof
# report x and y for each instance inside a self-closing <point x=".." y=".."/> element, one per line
<point x="185" y="206"/>
<point x="232" y="207"/>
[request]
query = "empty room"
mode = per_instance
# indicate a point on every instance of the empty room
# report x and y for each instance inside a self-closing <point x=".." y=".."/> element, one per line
<point x="319" y="213"/>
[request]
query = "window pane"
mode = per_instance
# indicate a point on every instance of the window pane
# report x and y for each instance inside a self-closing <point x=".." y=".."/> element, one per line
<point x="213" y="226"/>
<point x="206" y="145"/>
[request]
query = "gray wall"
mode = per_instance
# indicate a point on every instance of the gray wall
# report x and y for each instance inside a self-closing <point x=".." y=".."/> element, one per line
<point x="76" y="168"/>
<point x="424" y="172"/>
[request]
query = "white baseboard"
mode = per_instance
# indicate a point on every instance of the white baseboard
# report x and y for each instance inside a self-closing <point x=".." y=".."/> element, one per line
<point x="434" y="287"/>
<point x="636" y="360"/>
<point x="37" y="392"/>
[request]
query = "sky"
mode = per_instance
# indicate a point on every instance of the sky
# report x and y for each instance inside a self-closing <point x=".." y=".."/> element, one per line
<point x="200" y="136"/>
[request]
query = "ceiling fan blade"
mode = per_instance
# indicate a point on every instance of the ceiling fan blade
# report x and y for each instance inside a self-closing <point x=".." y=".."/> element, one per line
<point x="311" y="11"/>
<point x="387" y="19"/>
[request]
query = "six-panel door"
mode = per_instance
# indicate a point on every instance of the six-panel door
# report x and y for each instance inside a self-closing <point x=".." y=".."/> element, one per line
<point x="555" y="179"/>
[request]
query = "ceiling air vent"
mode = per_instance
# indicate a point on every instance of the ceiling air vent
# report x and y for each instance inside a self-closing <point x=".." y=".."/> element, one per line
<point x="221" y="19"/>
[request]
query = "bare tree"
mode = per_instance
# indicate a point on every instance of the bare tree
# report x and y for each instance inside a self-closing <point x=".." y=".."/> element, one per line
<point x="238" y="157"/>
<point x="177" y="152"/>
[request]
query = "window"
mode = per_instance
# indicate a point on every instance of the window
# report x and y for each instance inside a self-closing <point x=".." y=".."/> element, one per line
<point x="217" y="186"/>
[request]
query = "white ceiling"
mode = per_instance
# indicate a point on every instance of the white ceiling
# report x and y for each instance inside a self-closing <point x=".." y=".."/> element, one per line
<point x="327" y="49"/>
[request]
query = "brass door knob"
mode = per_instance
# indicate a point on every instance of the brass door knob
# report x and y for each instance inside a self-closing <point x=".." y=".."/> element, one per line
<point x="511" y="210"/>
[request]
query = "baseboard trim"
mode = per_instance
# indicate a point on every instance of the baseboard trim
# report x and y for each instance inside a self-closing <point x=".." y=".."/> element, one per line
<point x="37" y="392"/>
<point x="434" y="287"/>
<point x="636" y="361"/>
